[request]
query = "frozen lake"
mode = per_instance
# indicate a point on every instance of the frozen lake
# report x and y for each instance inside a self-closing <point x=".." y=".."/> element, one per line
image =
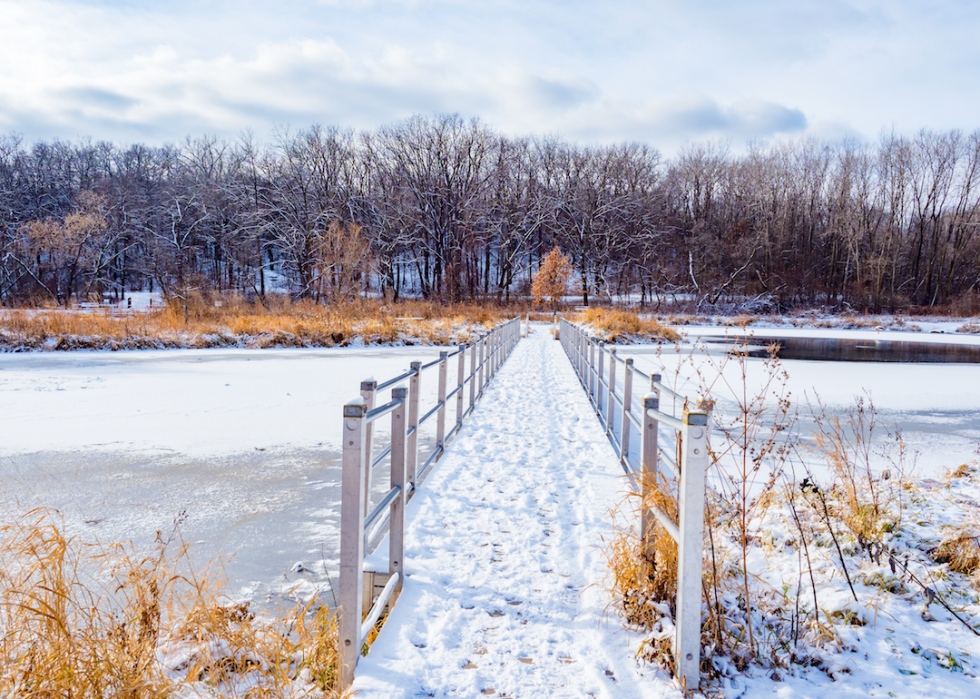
<point x="242" y="446"/>
<point x="936" y="406"/>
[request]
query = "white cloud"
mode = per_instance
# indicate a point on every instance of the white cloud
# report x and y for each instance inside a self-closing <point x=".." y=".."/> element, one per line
<point x="654" y="71"/>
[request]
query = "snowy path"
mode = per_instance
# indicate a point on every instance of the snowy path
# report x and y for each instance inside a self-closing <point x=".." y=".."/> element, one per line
<point x="503" y="554"/>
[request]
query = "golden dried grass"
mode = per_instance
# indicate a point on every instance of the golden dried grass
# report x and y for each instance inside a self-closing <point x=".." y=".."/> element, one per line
<point x="638" y="582"/>
<point x="88" y="621"/>
<point x="280" y="322"/>
<point x="960" y="549"/>
<point x="619" y="325"/>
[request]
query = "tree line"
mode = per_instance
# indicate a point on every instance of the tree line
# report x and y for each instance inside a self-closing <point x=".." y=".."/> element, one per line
<point x="447" y="208"/>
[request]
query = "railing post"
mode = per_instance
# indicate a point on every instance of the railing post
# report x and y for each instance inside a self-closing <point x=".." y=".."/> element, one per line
<point x="610" y="403"/>
<point x="396" y="526"/>
<point x="624" y="431"/>
<point x="460" y="384"/>
<point x="412" y="453"/>
<point x="690" y="549"/>
<point x="352" y="513"/>
<point x="494" y="352"/>
<point x="368" y="388"/>
<point x="650" y="468"/>
<point x="598" y="382"/>
<point x="473" y="374"/>
<point x="592" y="370"/>
<point x="441" y="412"/>
<point x="483" y="343"/>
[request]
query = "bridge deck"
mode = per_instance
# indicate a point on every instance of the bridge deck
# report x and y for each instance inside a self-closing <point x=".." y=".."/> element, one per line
<point x="504" y="554"/>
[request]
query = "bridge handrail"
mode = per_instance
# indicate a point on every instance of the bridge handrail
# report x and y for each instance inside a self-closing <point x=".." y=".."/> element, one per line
<point x="487" y="354"/>
<point x="588" y="358"/>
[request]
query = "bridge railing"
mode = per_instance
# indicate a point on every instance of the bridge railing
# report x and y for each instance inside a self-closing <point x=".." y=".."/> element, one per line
<point x="486" y="356"/>
<point x="597" y="367"/>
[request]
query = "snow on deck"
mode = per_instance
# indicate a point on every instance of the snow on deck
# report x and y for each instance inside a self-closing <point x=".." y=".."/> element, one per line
<point x="505" y="570"/>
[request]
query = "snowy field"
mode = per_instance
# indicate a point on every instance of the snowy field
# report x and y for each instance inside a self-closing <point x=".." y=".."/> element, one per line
<point x="241" y="445"/>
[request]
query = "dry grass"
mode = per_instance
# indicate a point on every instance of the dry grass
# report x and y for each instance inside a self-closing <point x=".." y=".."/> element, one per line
<point x="234" y="322"/>
<point x="88" y="621"/>
<point x="960" y="549"/>
<point x="739" y="321"/>
<point x="870" y="501"/>
<point x="644" y="589"/>
<point x="969" y="328"/>
<point x="625" y="326"/>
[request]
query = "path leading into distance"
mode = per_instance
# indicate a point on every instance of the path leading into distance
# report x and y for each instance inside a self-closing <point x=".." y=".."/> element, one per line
<point x="504" y="594"/>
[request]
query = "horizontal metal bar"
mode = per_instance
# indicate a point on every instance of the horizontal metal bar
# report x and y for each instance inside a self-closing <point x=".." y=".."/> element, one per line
<point x="381" y="457"/>
<point x="659" y="384"/>
<point x="432" y="412"/>
<point x="392" y="494"/>
<point x="392" y="382"/>
<point x="432" y="457"/>
<point x="376" y="610"/>
<point x="668" y="420"/>
<point x="667" y="523"/>
<point x="430" y="364"/>
<point x="634" y="419"/>
<point x="454" y="392"/>
<point x="618" y="399"/>
<point x="639" y="372"/>
<point x="383" y="410"/>
<point x="460" y="349"/>
<point x="454" y="429"/>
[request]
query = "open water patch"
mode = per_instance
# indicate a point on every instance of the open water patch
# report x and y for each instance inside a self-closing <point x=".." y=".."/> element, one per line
<point x="849" y="350"/>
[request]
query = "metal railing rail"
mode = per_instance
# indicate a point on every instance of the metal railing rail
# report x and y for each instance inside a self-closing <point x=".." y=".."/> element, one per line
<point x="589" y="359"/>
<point x="487" y="354"/>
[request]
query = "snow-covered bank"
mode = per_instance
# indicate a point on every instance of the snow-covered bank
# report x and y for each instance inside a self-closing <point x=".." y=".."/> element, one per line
<point x="504" y="554"/>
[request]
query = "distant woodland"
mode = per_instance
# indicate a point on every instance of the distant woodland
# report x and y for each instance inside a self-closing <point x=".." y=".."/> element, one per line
<point x="448" y="209"/>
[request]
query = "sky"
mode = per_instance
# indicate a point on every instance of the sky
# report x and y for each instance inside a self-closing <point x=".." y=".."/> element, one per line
<point x="662" y="72"/>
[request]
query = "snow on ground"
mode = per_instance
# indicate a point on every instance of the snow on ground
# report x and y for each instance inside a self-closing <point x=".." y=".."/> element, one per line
<point x="504" y="560"/>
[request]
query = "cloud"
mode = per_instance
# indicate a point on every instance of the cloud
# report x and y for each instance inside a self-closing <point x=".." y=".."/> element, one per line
<point x="650" y="70"/>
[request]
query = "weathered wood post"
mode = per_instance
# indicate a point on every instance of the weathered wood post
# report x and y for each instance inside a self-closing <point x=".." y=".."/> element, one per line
<point x="473" y="374"/>
<point x="624" y="432"/>
<point x="460" y="383"/>
<point x="599" y="374"/>
<point x="352" y="513"/>
<point x="483" y="344"/>
<point x="368" y="388"/>
<point x="610" y="403"/>
<point x="441" y="412"/>
<point x="495" y="352"/>
<point x="399" y="479"/>
<point x="592" y="370"/>
<point x="650" y="460"/>
<point x="412" y="453"/>
<point x="690" y="548"/>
